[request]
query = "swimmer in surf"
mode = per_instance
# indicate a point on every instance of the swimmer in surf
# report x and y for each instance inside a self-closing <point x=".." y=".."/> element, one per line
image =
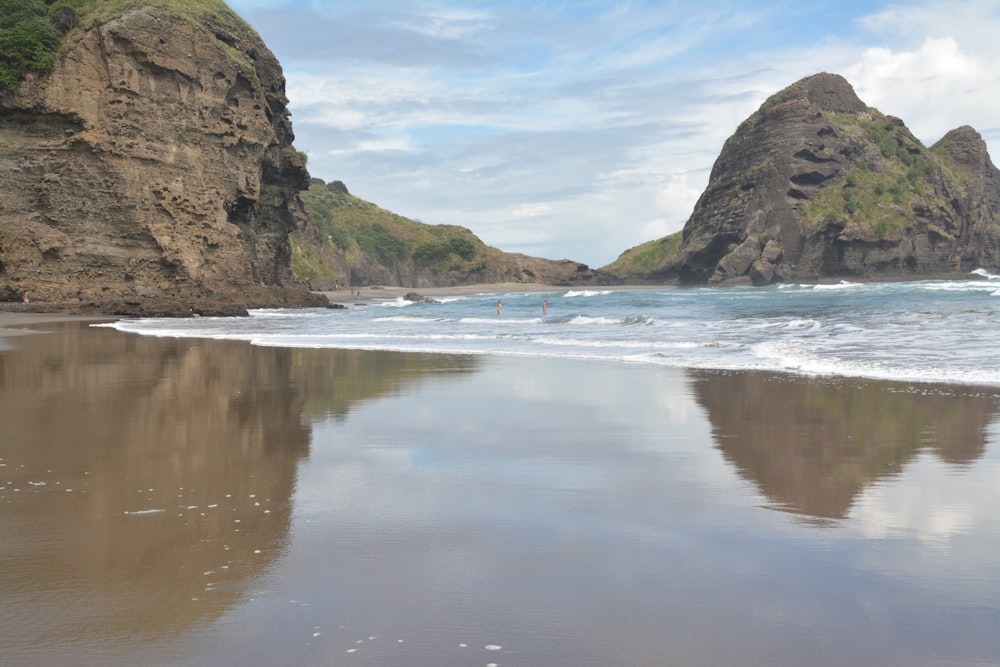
<point x="499" y="307"/>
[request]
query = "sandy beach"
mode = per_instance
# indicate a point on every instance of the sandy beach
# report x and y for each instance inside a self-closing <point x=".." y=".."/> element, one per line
<point x="171" y="501"/>
<point x="9" y="319"/>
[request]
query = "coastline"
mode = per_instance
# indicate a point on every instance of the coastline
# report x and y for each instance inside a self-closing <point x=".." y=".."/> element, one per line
<point x="14" y="314"/>
<point x="671" y="306"/>
<point x="392" y="292"/>
<point x="15" y="322"/>
<point x="25" y="316"/>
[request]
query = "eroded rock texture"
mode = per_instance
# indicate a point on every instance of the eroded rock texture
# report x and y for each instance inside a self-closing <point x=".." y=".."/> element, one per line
<point x="152" y="168"/>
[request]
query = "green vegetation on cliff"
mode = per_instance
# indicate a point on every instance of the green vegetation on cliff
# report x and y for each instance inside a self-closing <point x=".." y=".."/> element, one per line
<point x="644" y="258"/>
<point x="31" y="31"/>
<point x="92" y="12"/>
<point x="882" y="191"/>
<point x="28" y="42"/>
<point x="360" y="242"/>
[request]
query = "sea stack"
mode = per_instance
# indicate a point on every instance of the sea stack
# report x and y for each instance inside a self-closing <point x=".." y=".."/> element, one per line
<point x="816" y="185"/>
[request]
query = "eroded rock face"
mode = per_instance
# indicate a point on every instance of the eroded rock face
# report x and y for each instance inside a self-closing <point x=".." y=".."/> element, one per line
<point x="817" y="185"/>
<point x="154" y="164"/>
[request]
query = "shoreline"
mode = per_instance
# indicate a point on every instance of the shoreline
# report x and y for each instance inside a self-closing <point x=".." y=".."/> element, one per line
<point x="17" y="314"/>
<point x="382" y="292"/>
<point x="11" y="323"/>
<point x="14" y="322"/>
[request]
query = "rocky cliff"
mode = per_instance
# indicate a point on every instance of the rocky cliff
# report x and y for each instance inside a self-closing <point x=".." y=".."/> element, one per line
<point x="817" y="185"/>
<point x="152" y="169"/>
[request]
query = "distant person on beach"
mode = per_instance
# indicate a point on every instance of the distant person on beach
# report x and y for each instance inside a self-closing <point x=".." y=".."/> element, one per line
<point x="545" y="307"/>
<point x="499" y="307"/>
<point x="25" y="298"/>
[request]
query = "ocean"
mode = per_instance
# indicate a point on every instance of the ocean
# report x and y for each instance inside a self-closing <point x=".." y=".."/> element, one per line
<point x="922" y="331"/>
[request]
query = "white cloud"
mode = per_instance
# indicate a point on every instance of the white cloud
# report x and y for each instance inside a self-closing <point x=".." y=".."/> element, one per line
<point x="445" y="22"/>
<point x="398" y="143"/>
<point x="530" y="210"/>
<point x="930" y="88"/>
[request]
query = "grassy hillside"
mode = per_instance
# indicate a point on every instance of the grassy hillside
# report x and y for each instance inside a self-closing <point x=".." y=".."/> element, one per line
<point x="359" y="243"/>
<point x="636" y="263"/>
<point x="881" y="192"/>
<point x="91" y="12"/>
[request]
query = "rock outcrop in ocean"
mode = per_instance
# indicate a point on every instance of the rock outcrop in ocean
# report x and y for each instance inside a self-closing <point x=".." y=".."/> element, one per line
<point x="152" y="169"/>
<point x="816" y="185"/>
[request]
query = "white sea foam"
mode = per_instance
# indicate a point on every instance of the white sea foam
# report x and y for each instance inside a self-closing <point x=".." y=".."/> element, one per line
<point x="603" y="321"/>
<point x="409" y="317"/>
<point x="886" y="330"/>
<point x="283" y="313"/>
<point x="503" y="320"/>
<point x="398" y="302"/>
<point x="958" y="286"/>
<point x="586" y="293"/>
<point x="798" y="325"/>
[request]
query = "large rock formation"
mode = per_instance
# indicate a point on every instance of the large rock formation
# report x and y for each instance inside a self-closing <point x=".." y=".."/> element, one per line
<point x="817" y="185"/>
<point x="152" y="169"/>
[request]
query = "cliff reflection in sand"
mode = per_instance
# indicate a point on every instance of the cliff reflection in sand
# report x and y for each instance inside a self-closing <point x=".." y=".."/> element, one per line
<point x="812" y="445"/>
<point x="147" y="482"/>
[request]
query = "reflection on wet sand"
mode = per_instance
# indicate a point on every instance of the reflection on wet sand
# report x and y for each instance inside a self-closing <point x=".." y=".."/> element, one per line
<point x="812" y="445"/>
<point x="145" y="483"/>
<point x="333" y="381"/>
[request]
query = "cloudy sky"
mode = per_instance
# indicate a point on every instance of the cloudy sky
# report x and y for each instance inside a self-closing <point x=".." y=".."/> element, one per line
<point x="578" y="129"/>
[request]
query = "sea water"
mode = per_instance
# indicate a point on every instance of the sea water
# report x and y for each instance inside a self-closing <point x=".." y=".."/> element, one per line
<point x="922" y="331"/>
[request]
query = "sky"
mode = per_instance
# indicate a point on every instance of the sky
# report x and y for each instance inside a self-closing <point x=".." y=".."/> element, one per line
<point x="573" y="129"/>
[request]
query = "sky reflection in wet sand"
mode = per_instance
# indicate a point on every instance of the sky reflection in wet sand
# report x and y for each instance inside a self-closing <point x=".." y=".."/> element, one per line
<point x="259" y="506"/>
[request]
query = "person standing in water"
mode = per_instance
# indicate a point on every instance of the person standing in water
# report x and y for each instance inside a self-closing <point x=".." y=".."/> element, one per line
<point x="499" y="307"/>
<point x="545" y="307"/>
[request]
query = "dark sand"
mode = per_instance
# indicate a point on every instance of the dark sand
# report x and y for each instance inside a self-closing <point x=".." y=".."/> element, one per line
<point x="195" y="502"/>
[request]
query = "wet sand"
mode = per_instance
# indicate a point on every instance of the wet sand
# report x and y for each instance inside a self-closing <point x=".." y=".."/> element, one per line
<point x="177" y="501"/>
<point x="8" y="319"/>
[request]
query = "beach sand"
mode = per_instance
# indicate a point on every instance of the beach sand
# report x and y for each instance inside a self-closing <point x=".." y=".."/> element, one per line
<point x="182" y="501"/>
<point x="26" y="319"/>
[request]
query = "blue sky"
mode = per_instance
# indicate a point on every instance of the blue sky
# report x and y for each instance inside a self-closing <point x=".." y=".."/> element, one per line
<point x="574" y="129"/>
